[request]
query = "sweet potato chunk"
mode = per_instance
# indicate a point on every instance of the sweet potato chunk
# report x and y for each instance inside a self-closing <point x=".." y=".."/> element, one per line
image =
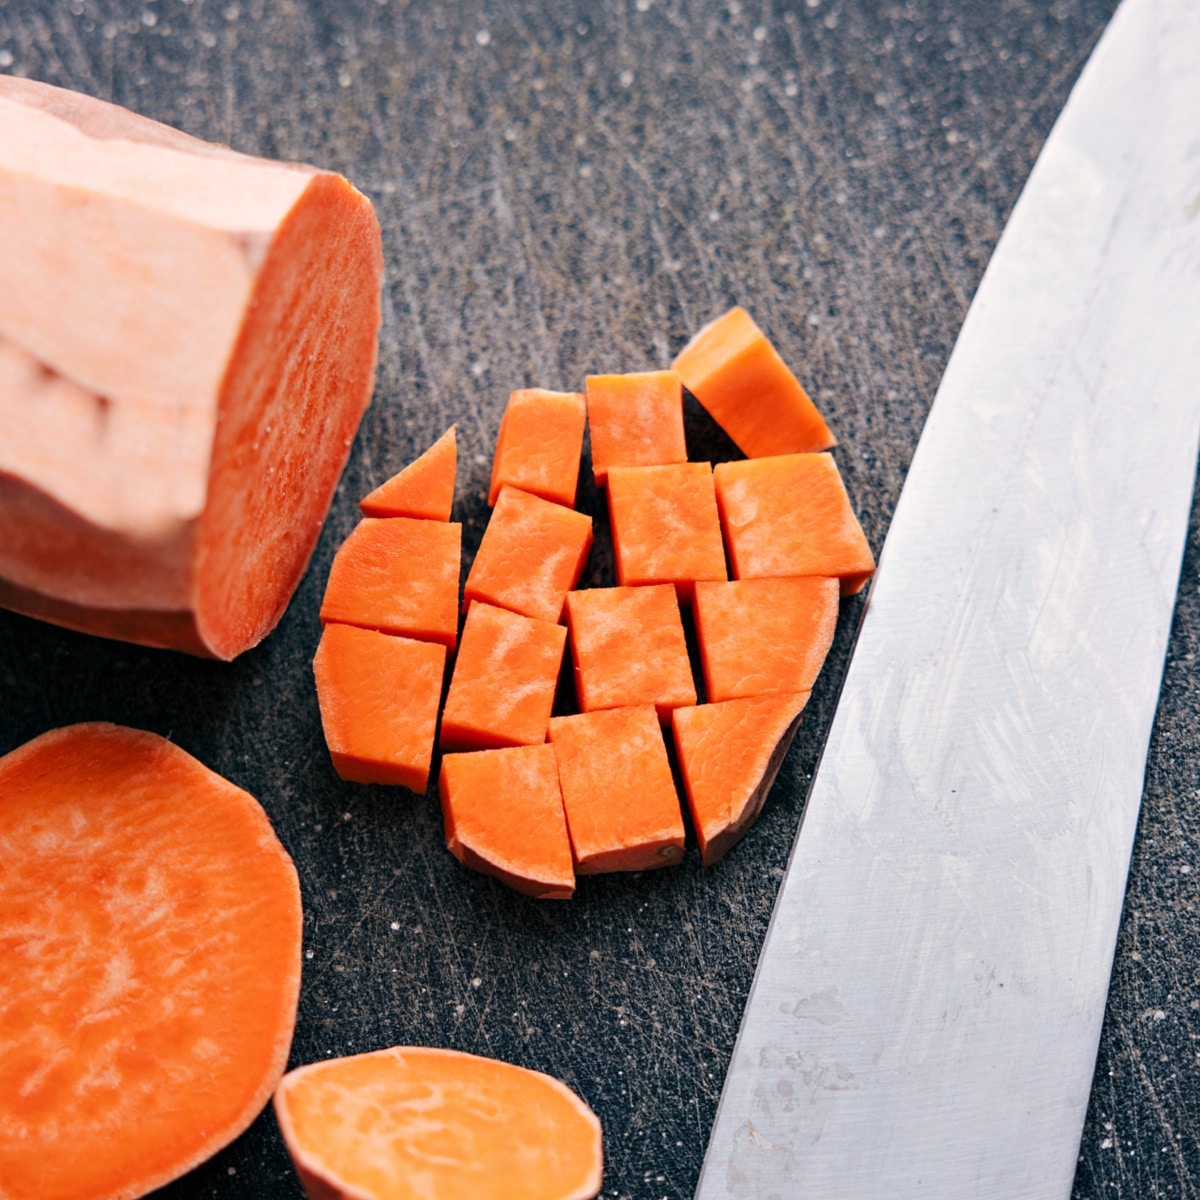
<point x="412" y="1123"/>
<point x="729" y="755"/>
<point x="731" y="368"/>
<point x="636" y="420"/>
<point x="424" y="489"/>
<point x="150" y="924"/>
<point x="540" y="444"/>
<point x="504" y="816"/>
<point x="187" y="345"/>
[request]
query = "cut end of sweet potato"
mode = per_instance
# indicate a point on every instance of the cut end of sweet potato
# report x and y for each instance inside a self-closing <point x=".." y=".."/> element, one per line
<point x="729" y="754"/>
<point x="412" y="1122"/>
<point x="424" y="489"/>
<point x="151" y="925"/>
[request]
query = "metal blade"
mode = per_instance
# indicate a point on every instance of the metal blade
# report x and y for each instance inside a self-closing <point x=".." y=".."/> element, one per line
<point x="926" y="1012"/>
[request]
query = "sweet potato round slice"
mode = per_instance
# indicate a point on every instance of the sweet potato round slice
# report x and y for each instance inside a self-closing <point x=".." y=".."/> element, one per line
<point x="187" y="345"/>
<point x="150" y="926"/>
<point x="413" y="1123"/>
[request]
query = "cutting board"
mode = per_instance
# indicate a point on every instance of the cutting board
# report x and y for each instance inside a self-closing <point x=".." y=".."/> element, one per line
<point x="564" y="190"/>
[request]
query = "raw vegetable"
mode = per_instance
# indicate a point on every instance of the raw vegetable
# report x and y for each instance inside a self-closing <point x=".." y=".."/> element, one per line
<point x="187" y="344"/>
<point x="503" y="812"/>
<point x="622" y="808"/>
<point x="735" y="372"/>
<point x="539" y="445"/>
<point x="532" y="553"/>
<point x="628" y="648"/>
<point x="504" y="678"/>
<point x="398" y="575"/>
<point x="665" y="526"/>
<point x="635" y="420"/>
<point x="424" y="489"/>
<point x="729" y="755"/>
<point x="150" y="922"/>
<point x="413" y="1123"/>
<point x="379" y="697"/>
<point x="791" y="515"/>
<point x="759" y="636"/>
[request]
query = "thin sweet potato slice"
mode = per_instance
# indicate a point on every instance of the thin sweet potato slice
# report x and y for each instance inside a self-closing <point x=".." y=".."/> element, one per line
<point x="413" y="1123"/>
<point x="187" y="345"/>
<point x="424" y="489"/>
<point x="150" y="929"/>
<point x="729" y="755"/>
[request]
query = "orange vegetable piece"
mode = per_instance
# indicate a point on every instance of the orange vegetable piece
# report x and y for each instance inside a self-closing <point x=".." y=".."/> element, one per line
<point x="759" y="636"/>
<point x="151" y="928"/>
<point x="504" y="678"/>
<point x="504" y="816"/>
<point x="628" y="647"/>
<point x="729" y="755"/>
<point x="188" y="345"/>
<point x="735" y="372"/>
<point x="531" y="555"/>
<point x="379" y="699"/>
<point x="622" y="809"/>
<point x="424" y="489"/>
<point x="635" y="420"/>
<point x="398" y="575"/>
<point x="413" y="1123"/>
<point x="665" y="525"/>
<point x="791" y="516"/>
<point x="540" y="445"/>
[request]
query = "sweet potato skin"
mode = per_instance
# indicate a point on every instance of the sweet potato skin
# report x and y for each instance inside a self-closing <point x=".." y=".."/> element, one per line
<point x="201" y="326"/>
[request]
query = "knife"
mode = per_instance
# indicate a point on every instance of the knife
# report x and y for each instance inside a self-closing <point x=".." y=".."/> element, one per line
<point x="926" y="1011"/>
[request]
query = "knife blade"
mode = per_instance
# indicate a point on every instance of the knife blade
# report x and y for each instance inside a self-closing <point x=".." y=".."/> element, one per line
<point x="926" y="1011"/>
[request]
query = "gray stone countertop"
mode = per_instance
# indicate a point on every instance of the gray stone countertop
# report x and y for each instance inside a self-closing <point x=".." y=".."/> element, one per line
<point x="572" y="188"/>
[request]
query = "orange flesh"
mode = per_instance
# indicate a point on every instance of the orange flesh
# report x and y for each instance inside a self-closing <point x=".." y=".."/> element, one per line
<point x="205" y="365"/>
<point x="504" y="816"/>
<point x="729" y="755"/>
<point x="628" y="647"/>
<point x="735" y="372"/>
<point x="622" y="809"/>
<point x="759" y="636"/>
<point x="531" y="555"/>
<point x="504" y="678"/>
<point x="635" y="420"/>
<point x="150" y="925"/>
<point x="791" y="516"/>
<point x="665" y="525"/>
<point x="398" y="575"/>
<point x="379" y="699"/>
<point x="424" y="489"/>
<point x="540" y="444"/>
<point x="422" y="1124"/>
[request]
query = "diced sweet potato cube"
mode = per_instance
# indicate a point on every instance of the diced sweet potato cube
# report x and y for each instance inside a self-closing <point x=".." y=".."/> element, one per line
<point x="729" y="755"/>
<point x="665" y="525"/>
<point x="379" y="699"/>
<point x="731" y="368"/>
<point x="540" y="445"/>
<point x="424" y="489"/>
<point x="504" y="678"/>
<point x="531" y="555"/>
<point x="398" y="575"/>
<point x="791" y="516"/>
<point x="629" y="648"/>
<point x="635" y="420"/>
<point x="759" y="636"/>
<point x="504" y="816"/>
<point x="622" y="809"/>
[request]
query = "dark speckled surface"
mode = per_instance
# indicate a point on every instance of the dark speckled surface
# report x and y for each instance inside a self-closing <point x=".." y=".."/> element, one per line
<point x="575" y="187"/>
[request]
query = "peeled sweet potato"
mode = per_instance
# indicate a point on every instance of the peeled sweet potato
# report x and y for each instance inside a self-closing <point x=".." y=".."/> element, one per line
<point x="187" y="345"/>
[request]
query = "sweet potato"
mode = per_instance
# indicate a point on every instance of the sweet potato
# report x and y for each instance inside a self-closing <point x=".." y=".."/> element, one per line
<point x="413" y="1123"/>
<point x="150" y="926"/>
<point x="187" y="345"/>
<point x="539" y="445"/>
<point x="635" y="420"/>
<point x="424" y="489"/>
